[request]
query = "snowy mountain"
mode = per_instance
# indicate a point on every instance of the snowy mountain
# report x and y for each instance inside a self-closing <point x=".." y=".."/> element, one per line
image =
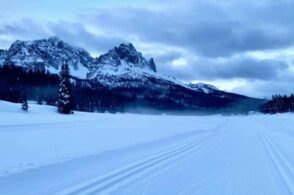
<point x="120" y="66"/>
<point x="122" y="73"/>
<point x="47" y="54"/>
<point x="125" y="55"/>
<point x="202" y="87"/>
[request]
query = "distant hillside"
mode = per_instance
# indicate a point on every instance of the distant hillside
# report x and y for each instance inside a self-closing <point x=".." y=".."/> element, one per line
<point x="119" y="80"/>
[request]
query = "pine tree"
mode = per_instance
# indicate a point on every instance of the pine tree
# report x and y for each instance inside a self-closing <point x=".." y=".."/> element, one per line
<point x="65" y="96"/>
<point x="24" y="105"/>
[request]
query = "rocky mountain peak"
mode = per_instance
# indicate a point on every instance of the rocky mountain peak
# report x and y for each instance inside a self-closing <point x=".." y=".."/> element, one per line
<point x="46" y="54"/>
<point x="2" y="52"/>
<point x="2" y="56"/>
<point x="54" y="39"/>
<point x="152" y="65"/>
<point x="49" y="54"/>
<point x="126" y="54"/>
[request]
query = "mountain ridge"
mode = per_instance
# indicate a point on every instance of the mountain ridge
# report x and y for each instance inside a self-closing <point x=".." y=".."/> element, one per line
<point x="48" y="54"/>
<point x="122" y="73"/>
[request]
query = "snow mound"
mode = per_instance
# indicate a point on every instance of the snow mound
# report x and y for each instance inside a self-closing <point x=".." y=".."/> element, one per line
<point x="202" y="87"/>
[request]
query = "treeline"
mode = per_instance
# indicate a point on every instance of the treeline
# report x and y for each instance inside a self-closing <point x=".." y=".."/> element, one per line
<point x="147" y="95"/>
<point x="279" y="104"/>
<point x="17" y="83"/>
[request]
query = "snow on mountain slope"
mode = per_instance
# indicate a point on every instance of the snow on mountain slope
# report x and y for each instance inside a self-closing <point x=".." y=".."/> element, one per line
<point x="43" y="152"/>
<point x="120" y="66"/>
<point x="123" y="63"/>
<point x="125" y="55"/>
<point x="131" y="79"/>
<point x="48" y="54"/>
<point x="202" y="87"/>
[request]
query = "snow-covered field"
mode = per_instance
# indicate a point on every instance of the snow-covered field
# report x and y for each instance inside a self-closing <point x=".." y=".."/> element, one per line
<point x="42" y="152"/>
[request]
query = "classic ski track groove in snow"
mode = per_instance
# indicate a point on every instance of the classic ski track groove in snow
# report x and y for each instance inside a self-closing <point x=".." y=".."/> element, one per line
<point x="188" y="136"/>
<point x="283" y="166"/>
<point x="98" y="185"/>
<point x="195" y="188"/>
<point x="43" y="153"/>
<point x="20" y="127"/>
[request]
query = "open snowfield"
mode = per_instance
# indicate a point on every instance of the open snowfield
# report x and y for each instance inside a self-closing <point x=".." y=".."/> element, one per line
<point x="42" y="152"/>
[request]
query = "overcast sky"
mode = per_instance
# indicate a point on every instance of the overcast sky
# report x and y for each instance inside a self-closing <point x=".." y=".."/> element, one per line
<point x="243" y="46"/>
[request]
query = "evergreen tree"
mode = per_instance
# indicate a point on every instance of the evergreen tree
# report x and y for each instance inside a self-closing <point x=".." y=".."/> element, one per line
<point x="24" y="105"/>
<point x="65" y="95"/>
<point x="279" y="104"/>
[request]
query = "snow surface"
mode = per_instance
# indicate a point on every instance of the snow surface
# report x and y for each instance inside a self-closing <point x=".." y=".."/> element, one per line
<point x="42" y="152"/>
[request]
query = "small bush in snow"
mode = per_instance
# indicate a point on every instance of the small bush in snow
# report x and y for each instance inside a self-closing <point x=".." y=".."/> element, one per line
<point x="24" y="105"/>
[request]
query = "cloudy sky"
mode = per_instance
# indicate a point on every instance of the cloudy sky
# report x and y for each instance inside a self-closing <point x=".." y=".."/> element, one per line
<point x="244" y="46"/>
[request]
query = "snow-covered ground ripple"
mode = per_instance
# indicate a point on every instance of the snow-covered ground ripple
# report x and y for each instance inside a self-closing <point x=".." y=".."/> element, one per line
<point x="43" y="152"/>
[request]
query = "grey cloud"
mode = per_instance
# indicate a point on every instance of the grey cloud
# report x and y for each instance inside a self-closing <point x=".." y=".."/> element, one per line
<point x="77" y="34"/>
<point x="207" y="28"/>
<point x="204" y="28"/>
<point x="240" y="68"/>
<point x="245" y="68"/>
<point x="165" y="59"/>
<point x="265" y="89"/>
<point x="24" y="29"/>
<point x="74" y="33"/>
<point x="201" y="30"/>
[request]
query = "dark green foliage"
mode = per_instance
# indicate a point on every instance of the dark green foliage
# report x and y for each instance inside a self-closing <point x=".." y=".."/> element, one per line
<point x="279" y="104"/>
<point x="43" y="88"/>
<point x="15" y="81"/>
<point x="24" y="105"/>
<point x="64" y="92"/>
<point x="89" y="95"/>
